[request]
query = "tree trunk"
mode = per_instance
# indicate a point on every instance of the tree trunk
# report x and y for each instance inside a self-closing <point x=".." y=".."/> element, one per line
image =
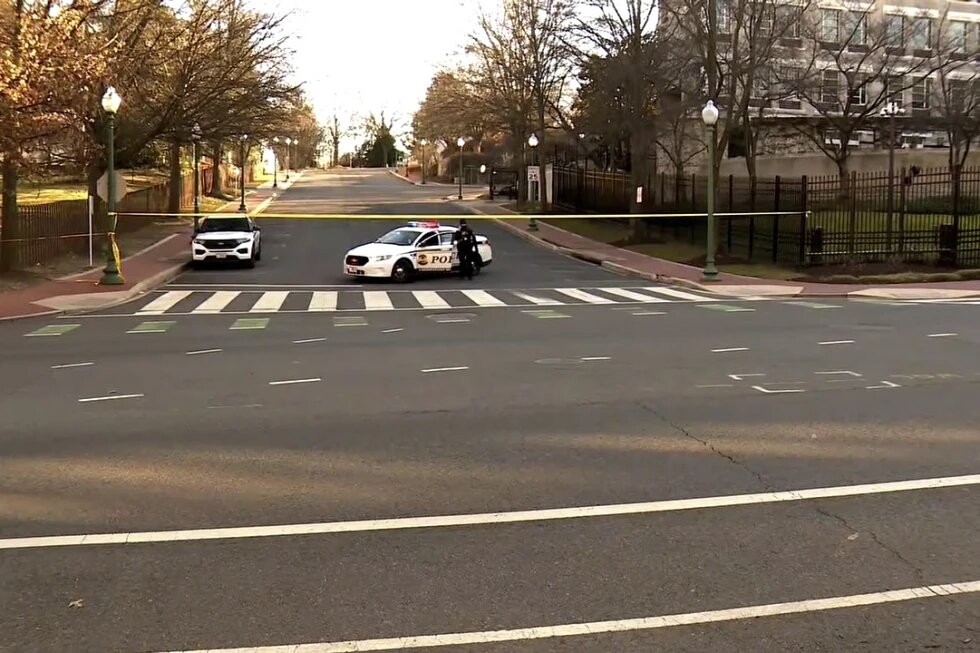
<point x="217" y="183"/>
<point x="173" y="197"/>
<point x="844" y="176"/>
<point x="9" y="219"/>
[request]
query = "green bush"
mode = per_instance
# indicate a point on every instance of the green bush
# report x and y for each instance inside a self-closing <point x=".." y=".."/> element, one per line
<point x="942" y="204"/>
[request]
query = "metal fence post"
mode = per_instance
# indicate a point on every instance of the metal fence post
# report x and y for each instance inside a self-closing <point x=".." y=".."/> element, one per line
<point x="801" y="261"/>
<point x="775" y="222"/>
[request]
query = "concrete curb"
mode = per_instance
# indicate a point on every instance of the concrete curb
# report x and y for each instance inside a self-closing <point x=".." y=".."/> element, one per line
<point x="138" y="289"/>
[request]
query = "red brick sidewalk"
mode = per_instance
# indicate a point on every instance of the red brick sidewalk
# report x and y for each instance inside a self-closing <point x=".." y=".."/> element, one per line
<point x="626" y="261"/>
<point x="142" y="271"/>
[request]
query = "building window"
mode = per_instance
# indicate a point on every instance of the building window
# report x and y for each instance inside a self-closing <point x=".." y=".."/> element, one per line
<point x="857" y="28"/>
<point x="895" y="30"/>
<point x="829" y="23"/>
<point x="723" y="17"/>
<point x="859" y="90"/>
<point x="921" y="91"/>
<point x="920" y="36"/>
<point x="760" y="84"/>
<point x="788" y="21"/>
<point x="765" y="18"/>
<point x="957" y="36"/>
<point x="789" y="79"/>
<point x="829" y="87"/>
<point x="896" y="90"/>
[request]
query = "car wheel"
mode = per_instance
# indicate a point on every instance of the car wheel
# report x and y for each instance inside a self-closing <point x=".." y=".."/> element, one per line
<point x="402" y="272"/>
<point x="258" y="253"/>
<point x="250" y="263"/>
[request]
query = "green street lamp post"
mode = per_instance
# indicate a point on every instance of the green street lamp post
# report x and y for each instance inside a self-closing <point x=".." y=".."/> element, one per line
<point x="110" y="104"/>
<point x="275" y="162"/>
<point x="532" y="224"/>
<point x="244" y="141"/>
<point x="196" y="140"/>
<point x="423" y="142"/>
<point x="709" y="115"/>
<point x="289" y="142"/>
<point x="461" y="142"/>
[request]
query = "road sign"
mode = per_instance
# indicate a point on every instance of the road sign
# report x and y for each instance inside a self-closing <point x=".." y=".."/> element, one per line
<point x="533" y="173"/>
<point x="103" y="187"/>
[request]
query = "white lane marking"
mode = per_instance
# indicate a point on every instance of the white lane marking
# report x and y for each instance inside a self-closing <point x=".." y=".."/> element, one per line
<point x="679" y="294"/>
<point x="203" y="351"/>
<point x="648" y="313"/>
<point x="445" y="369"/>
<point x="164" y="302"/>
<point x="775" y="392"/>
<point x="534" y="299"/>
<point x="482" y="298"/>
<point x="740" y="377"/>
<point x="836" y="342"/>
<point x="488" y="518"/>
<point x="239" y="406"/>
<point x="295" y="381"/>
<point x="729" y="349"/>
<point x="392" y="330"/>
<point x="70" y="365"/>
<point x="308" y="340"/>
<point x="269" y="302"/>
<point x="839" y="372"/>
<point x="596" y="358"/>
<point x="108" y="398"/>
<point x="942" y="335"/>
<point x="216" y="302"/>
<point x="884" y="385"/>
<point x="583" y="296"/>
<point x="453" y="321"/>
<point x="429" y="299"/>
<point x="633" y="295"/>
<point x="617" y="625"/>
<point x="377" y="300"/>
<point x="716" y="385"/>
<point x="323" y="301"/>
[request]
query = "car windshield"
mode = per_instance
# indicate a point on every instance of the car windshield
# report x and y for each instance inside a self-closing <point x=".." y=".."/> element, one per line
<point x="400" y="237"/>
<point x="225" y="224"/>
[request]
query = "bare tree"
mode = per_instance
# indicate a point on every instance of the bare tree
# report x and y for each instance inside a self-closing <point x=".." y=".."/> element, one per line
<point x="958" y="94"/>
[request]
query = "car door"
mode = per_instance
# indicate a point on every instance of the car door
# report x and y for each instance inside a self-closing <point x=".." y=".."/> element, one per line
<point x="431" y="255"/>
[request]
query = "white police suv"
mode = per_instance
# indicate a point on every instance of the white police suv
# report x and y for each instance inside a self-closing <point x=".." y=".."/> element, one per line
<point x="417" y="248"/>
<point x="227" y="238"/>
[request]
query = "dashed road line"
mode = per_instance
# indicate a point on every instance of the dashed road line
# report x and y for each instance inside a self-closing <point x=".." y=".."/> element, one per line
<point x="740" y="377"/>
<point x="829" y="343"/>
<point x="66" y="366"/>
<point x="815" y="305"/>
<point x="354" y="321"/>
<point x="491" y="518"/>
<point x="839" y="373"/>
<point x="596" y="358"/>
<point x="152" y="327"/>
<point x="728" y="350"/>
<point x="445" y="369"/>
<point x="942" y="335"/>
<point x="619" y="625"/>
<point x="767" y="391"/>
<point x="546" y="314"/>
<point x="296" y="381"/>
<point x="88" y="400"/>
<point x="884" y="386"/>
<point x="52" y="330"/>
<point x="306" y="341"/>
<point x="726" y="308"/>
<point x="201" y="352"/>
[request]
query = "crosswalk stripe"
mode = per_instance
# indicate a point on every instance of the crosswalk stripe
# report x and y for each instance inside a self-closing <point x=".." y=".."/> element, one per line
<point x="429" y="299"/>
<point x="165" y="302"/>
<point x="483" y="298"/>
<point x="377" y="300"/>
<point x="269" y="302"/>
<point x="217" y="302"/>
<point x="679" y="294"/>
<point x="583" y="296"/>
<point x="540" y="301"/>
<point x="323" y="301"/>
<point x="634" y="296"/>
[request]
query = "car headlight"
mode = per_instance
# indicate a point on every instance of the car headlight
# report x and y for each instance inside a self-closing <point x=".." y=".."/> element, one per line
<point x="242" y="241"/>
<point x="198" y="241"/>
<point x="378" y="259"/>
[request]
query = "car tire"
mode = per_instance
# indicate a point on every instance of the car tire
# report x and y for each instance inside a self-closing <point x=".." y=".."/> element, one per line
<point x="258" y="253"/>
<point x="250" y="263"/>
<point x="401" y="272"/>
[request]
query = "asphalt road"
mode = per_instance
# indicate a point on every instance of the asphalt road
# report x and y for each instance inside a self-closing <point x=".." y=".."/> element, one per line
<point x="320" y="419"/>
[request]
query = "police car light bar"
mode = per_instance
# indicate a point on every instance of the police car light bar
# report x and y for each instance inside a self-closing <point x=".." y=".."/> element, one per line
<point x="423" y="225"/>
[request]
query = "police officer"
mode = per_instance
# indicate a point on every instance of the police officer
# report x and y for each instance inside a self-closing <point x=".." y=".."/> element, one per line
<point x="465" y="243"/>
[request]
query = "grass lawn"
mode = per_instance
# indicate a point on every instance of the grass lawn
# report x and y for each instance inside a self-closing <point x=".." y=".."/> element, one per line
<point x="872" y="221"/>
<point x="59" y="189"/>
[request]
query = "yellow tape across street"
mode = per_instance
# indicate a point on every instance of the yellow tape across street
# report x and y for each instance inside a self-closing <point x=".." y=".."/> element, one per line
<point x="454" y="217"/>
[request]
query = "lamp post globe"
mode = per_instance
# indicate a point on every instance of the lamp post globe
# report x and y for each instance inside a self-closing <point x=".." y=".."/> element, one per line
<point x="709" y="115"/>
<point x="460" y="142"/>
<point x="111" y="101"/>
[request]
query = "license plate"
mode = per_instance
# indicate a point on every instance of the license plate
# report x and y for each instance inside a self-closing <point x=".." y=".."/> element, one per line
<point x="351" y="270"/>
<point x="222" y="255"/>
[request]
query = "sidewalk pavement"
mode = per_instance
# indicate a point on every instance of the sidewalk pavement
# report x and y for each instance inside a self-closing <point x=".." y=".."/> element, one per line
<point x="635" y="264"/>
<point x="429" y="182"/>
<point x="143" y="271"/>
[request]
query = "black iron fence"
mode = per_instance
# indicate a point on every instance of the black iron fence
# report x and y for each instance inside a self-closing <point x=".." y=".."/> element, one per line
<point x="916" y="216"/>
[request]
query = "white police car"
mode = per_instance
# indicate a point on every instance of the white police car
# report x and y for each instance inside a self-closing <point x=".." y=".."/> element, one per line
<point x="227" y="238"/>
<point x="416" y="248"/>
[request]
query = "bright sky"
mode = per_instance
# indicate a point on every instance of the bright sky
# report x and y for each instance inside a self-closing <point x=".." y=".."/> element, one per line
<point x="358" y="56"/>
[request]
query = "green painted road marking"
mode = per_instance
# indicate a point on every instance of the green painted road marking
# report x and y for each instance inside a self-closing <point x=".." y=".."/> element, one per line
<point x="546" y="314"/>
<point x="152" y="327"/>
<point x="249" y="323"/>
<point x="352" y="321"/>
<point x="53" y="330"/>
<point x="726" y="308"/>
<point x="812" y="305"/>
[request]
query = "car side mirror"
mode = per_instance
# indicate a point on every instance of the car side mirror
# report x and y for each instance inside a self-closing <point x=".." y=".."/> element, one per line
<point x="255" y="227"/>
